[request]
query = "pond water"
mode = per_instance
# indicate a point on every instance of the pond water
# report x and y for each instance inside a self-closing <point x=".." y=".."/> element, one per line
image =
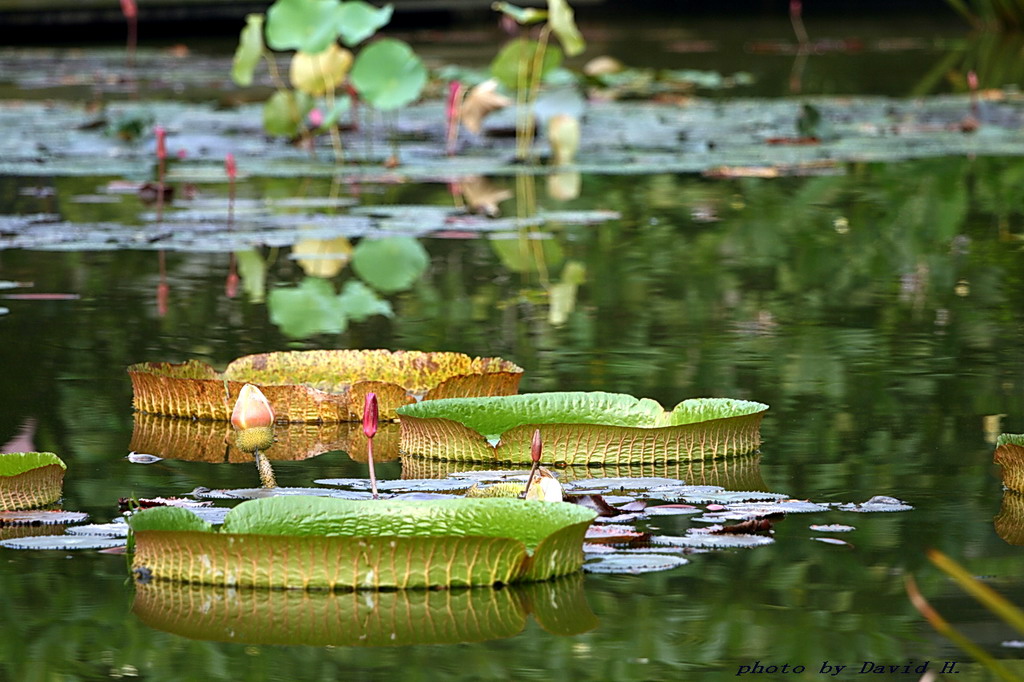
<point x="878" y="309"/>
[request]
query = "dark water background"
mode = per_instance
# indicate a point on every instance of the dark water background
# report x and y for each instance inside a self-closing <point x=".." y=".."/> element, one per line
<point x="878" y="312"/>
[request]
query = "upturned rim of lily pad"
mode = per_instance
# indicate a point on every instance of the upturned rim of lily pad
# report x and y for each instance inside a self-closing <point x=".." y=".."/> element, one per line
<point x="302" y="542"/>
<point x="1009" y="455"/>
<point x="581" y="428"/>
<point x="317" y="386"/>
<point x="30" y="479"/>
<point x="392" y="618"/>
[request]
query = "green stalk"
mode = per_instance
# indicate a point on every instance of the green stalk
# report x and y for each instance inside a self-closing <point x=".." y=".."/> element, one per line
<point x="534" y="89"/>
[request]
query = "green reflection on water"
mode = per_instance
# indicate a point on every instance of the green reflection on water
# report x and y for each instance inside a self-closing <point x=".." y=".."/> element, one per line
<point x="878" y="312"/>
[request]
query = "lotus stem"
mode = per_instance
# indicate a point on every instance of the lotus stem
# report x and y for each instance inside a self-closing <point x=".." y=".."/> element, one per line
<point x="536" y="448"/>
<point x="534" y="89"/>
<point x="131" y="15"/>
<point x="267" y="479"/>
<point x="371" y="416"/>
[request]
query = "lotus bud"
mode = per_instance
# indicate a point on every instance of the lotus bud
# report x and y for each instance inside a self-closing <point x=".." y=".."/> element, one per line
<point x="161" y="143"/>
<point x="972" y="80"/>
<point x="129" y="9"/>
<point x="455" y="92"/>
<point x="602" y="66"/>
<point x="252" y="409"/>
<point x="536" y="447"/>
<point x="230" y="167"/>
<point x="370" y="415"/>
<point x="545" y="488"/>
<point x="564" y="137"/>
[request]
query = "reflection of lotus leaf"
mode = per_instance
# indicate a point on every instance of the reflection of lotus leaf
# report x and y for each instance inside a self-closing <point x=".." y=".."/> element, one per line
<point x="397" y="618"/>
<point x="315" y="542"/>
<point x="731" y="473"/>
<point x="319" y="386"/>
<point x="30" y="479"/>
<point x="581" y="428"/>
<point x="1009" y="523"/>
<point x="1009" y="456"/>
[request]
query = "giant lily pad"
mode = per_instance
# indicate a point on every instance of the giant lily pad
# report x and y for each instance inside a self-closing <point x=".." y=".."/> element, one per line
<point x="396" y="618"/>
<point x="318" y="386"/>
<point x="581" y="428"/>
<point x="313" y="542"/>
<point x="1009" y="455"/>
<point x="30" y="479"/>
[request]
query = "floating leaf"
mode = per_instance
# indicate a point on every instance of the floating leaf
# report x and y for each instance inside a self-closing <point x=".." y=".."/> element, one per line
<point x="261" y="493"/>
<point x="633" y="564"/>
<point x="563" y="24"/>
<point x="390" y="264"/>
<point x="316" y="74"/>
<point x="388" y="74"/>
<point x="306" y="25"/>
<point x="833" y="541"/>
<point x="752" y="509"/>
<point x="580" y="428"/>
<point x="142" y="458"/>
<point x="704" y="539"/>
<point x="318" y="386"/>
<point x="107" y="530"/>
<point x="284" y="112"/>
<point x="614" y="534"/>
<point x="303" y="542"/>
<point x="878" y="503"/>
<point x="831" y="528"/>
<point x="30" y="479"/>
<point x="358" y="20"/>
<point x="40" y="518"/>
<point x="62" y="542"/>
<point x="249" y="50"/>
<point x="521" y="55"/>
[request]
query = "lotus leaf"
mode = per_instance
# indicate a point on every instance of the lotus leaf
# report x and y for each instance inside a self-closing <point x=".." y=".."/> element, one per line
<point x="30" y="479"/>
<point x="388" y="74"/>
<point x="396" y="618"/>
<point x="306" y="25"/>
<point x="358" y="20"/>
<point x="284" y="111"/>
<point x="520" y="54"/>
<point x="250" y="49"/>
<point x="1009" y="455"/>
<point x="318" y="386"/>
<point x="391" y="264"/>
<point x="581" y="428"/>
<point x="312" y="542"/>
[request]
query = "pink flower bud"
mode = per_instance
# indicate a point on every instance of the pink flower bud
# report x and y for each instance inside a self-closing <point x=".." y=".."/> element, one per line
<point x="972" y="80"/>
<point x="129" y="9"/>
<point x="535" y="446"/>
<point x="370" y="415"/>
<point x="252" y="409"/>
<point x="316" y="118"/>
<point x="230" y="167"/>
<point x="161" y="143"/>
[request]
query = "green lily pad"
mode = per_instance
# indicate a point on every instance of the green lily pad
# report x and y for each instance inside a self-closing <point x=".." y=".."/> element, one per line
<point x="306" y="25"/>
<point x="310" y="542"/>
<point x="388" y="74"/>
<point x="30" y="479"/>
<point x="358" y="20"/>
<point x="521" y="54"/>
<point x="390" y="264"/>
<point x="249" y="51"/>
<point x="580" y="428"/>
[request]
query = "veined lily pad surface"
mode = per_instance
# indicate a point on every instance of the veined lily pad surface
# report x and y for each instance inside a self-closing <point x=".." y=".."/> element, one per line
<point x="318" y="385"/>
<point x="308" y="542"/>
<point x="395" y="618"/>
<point x="30" y="479"/>
<point x="581" y="428"/>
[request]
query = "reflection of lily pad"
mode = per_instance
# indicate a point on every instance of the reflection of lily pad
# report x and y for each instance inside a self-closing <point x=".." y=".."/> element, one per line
<point x="30" y="479"/>
<point x="313" y="307"/>
<point x="397" y="618"/>
<point x="309" y="542"/>
<point x="319" y="386"/>
<point x="213" y="441"/>
<point x="581" y="428"/>
<point x="390" y="264"/>
<point x="1009" y="456"/>
<point x="1009" y="523"/>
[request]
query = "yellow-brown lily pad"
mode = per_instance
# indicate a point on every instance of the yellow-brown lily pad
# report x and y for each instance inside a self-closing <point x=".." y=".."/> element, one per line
<point x="581" y="428"/>
<point x="30" y="479"/>
<point x="1009" y="455"/>
<point x="395" y="618"/>
<point x="319" y="386"/>
<point x="1009" y="522"/>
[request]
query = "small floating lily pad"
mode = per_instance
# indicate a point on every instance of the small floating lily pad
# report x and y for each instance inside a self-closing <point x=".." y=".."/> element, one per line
<point x="260" y="493"/>
<point x="580" y="428"/>
<point x="833" y="541"/>
<point x="751" y="509"/>
<point x="308" y="542"/>
<point x="319" y="385"/>
<point x="30" y="479"/>
<point x="831" y="528"/>
<point x="41" y="518"/>
<point x="711" y="540"/>
<point x="63" y="542"/>
<point x="633" y="564"/>
<point x="107" y="530"/>
<point x="878" y="503"/>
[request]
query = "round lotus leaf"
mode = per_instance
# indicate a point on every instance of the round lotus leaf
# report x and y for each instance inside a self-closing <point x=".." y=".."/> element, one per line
<point x="316" y="74"/>
<point x="390" y="264"/>
<point x="518" y="57"/>
<point x="388" y="74"/>
<point x="306" y="25"/>
<point x="358" y="20"/>
<point x="284" y="112"/>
